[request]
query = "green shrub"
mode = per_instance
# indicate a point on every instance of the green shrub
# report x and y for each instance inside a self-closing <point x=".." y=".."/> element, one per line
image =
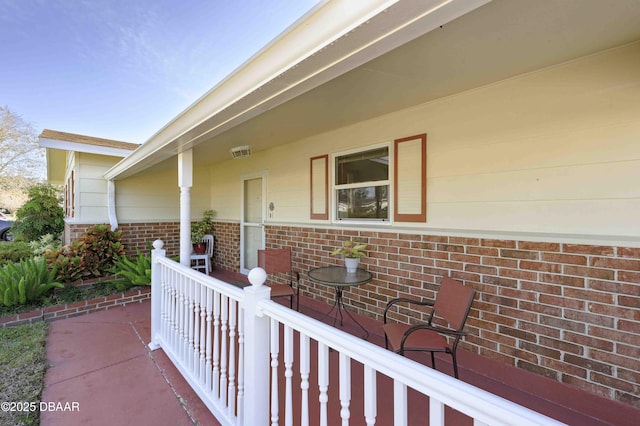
<point x="67" y="262"/>
<point x="44" y="244"/>
<point x="14" y="252"/>
<point x="40" y="215"/>
<point x="131" y="273"/>
<point x="91" y="255"/>
<point x="25" y="282"/>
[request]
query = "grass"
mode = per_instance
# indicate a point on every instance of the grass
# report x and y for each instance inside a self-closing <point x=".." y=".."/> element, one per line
<point x="22" y="368"/>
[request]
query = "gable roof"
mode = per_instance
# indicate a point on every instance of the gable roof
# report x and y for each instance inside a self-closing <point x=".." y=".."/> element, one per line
<point x="55" y="139"/>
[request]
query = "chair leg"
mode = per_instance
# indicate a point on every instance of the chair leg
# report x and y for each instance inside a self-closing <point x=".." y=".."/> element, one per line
<point x="455" y="364"/>
<point x="433" y="361"/>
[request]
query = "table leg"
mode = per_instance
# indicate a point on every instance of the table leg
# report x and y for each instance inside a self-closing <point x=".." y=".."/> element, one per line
<point x="340" y="306"/>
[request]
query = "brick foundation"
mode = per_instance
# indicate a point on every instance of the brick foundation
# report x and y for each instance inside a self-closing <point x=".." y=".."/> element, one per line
<point x="565" y="311"/>
<point x="138" y="236"/>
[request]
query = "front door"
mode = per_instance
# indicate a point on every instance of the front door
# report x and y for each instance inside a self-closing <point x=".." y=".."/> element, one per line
<point x="252" y="223"/>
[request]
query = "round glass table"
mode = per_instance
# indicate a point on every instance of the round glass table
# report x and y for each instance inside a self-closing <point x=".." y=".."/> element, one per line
<point x="338" y="278"/>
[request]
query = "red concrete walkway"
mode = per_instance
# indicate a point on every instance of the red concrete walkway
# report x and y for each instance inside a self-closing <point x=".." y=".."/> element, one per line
<point x="100" y="361"/>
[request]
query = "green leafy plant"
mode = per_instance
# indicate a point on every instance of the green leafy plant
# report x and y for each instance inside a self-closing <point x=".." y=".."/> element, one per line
<point x="131" y="273"/>
<point x="40" y="215"/>
<point x="99" y="248"/>
<point x="91" y="255"/>
<point x="67" y="262"/>
<point x="44" y="244"/>
<point x="25" y="282"/>
<point x="14" y="252"/>
<point x="350" y="249"/>
<point x="200" y="228"/>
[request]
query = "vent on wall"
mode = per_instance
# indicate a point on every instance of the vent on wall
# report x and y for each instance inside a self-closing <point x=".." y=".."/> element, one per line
<point x="241" y="152"/>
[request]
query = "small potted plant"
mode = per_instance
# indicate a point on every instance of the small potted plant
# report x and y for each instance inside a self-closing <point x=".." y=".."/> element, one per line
<point x="351" y="252"/>
<point x="199" y="229"/>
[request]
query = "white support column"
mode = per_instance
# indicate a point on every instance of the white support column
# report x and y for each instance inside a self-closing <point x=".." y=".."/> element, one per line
<point x="185" y="182"/>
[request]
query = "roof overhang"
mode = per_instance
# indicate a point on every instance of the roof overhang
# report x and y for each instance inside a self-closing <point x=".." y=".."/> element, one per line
<point x="346" y="61"/>
<point x="329" y="41"/>
<point x="58" y="143"/>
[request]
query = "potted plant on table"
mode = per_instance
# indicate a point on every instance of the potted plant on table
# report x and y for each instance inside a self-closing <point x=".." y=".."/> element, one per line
<point x="199" y="229"/>
<point x="351" y="252"/>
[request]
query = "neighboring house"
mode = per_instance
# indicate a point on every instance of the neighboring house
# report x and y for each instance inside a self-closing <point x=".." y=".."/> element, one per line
<point x="496" y="142"/>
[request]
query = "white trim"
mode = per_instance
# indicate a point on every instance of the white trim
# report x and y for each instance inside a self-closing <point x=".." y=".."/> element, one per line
<point x="82" y="147"/>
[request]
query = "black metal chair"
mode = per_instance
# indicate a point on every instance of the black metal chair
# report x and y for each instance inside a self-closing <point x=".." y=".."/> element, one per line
<point x="452" y="304"/>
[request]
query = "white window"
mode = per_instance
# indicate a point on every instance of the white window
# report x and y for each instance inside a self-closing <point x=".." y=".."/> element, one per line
<point x="361" y="185"/>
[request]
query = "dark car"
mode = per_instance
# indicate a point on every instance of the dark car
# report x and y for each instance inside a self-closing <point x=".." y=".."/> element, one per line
<point x="5" y="233"/>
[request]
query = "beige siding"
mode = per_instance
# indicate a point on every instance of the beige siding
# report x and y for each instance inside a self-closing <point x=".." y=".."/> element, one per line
<point x="91" y="187"/>
<point x="557" y="150"/>
<point x="155" y="196"/>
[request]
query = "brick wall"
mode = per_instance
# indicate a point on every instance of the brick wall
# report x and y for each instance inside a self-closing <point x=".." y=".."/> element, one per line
<point x="569" y="312"/>
<point x="140" y="235"/>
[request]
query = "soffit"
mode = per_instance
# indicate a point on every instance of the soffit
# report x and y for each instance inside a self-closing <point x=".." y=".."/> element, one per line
<point x="501" y="39"/>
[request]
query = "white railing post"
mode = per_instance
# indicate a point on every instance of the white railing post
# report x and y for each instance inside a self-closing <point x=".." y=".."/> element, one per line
<point x="256" y="352"/>
<point x="156" y="292"/>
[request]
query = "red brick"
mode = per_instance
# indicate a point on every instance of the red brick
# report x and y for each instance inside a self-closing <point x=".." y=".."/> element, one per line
<point x="588" y="249"/>
<point x="539" y="246"/>
<point x="541" y="266"/>
<point x="615" y="263"/>
<point x="519" y="254"/>
<point x="585" y="341"/>
<point x="563" y="302"/>
<point x="498" y="243"/>
<point x="602" y="274"/>
<point x="631" y="277"/>
<point x="618" y="312"/>
<point x="564" y="258"/>
<point x="562" y="279"/>
<point x="629" y="252"/>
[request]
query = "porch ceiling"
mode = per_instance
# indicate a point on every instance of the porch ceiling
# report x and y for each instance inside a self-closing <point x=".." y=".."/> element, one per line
<point x="498" y="40"/>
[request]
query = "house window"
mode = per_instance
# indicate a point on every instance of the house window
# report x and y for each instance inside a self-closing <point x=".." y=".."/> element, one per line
<point x="361" y="185"/>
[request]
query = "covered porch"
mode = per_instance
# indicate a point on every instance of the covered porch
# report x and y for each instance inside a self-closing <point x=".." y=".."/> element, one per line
<point x="135" y="385"/>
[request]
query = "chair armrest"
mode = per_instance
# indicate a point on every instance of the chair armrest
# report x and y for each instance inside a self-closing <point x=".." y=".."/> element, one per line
<point x="441" y="330"/>
<point x="404" y="300"/>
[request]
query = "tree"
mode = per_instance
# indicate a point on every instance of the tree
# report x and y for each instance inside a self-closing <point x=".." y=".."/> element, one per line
<point x="41" y="214"/>
<point x="21" y="159"/>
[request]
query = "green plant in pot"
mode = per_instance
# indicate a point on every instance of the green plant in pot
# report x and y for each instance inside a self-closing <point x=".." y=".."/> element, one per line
<point x="199" y="229"/>
<point x="351" y="252"/>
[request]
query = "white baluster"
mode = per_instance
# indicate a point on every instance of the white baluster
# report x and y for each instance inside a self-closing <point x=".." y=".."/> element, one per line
<point x="288" y="374"/>
<point x="241" y="367"/>
<point x="190" y="320"/>
<point x="323" y="381"/>
<point x="399" y="403"/>
<point x="370" y="395"/>
<point x="184" y="348"/>
<point x="436" y="412"/>
<point x="275" y="349"/>
<point x="224" y="360"/>
<point x="232" y="357"/>
<point x="196" y="330"/>
<point x="304" y="379"/>
<point x="216" y="344"/>
<point x="207" y="361"/>
<point x="345" y="388"/>
<point x="204" y="339"/>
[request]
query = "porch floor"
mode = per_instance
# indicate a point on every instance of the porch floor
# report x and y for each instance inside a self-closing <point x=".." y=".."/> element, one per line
<point x="101" y="362"/>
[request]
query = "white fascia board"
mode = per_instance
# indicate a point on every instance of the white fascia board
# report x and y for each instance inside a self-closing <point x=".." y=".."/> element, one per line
<point x="81" y="147"/>
<point x="314" y="50"/>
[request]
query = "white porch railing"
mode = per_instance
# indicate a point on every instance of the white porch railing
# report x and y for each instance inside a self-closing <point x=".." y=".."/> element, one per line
<point x="227" y="344"/>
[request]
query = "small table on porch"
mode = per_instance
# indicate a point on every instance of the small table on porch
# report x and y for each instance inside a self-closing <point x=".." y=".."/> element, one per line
<point x="338" y="278"/>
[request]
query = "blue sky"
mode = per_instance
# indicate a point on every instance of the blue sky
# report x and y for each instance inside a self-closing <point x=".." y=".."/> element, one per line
<point x="122" y="69"/>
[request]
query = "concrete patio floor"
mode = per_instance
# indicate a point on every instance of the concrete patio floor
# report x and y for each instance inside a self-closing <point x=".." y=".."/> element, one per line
<point x="101" y="362"/>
